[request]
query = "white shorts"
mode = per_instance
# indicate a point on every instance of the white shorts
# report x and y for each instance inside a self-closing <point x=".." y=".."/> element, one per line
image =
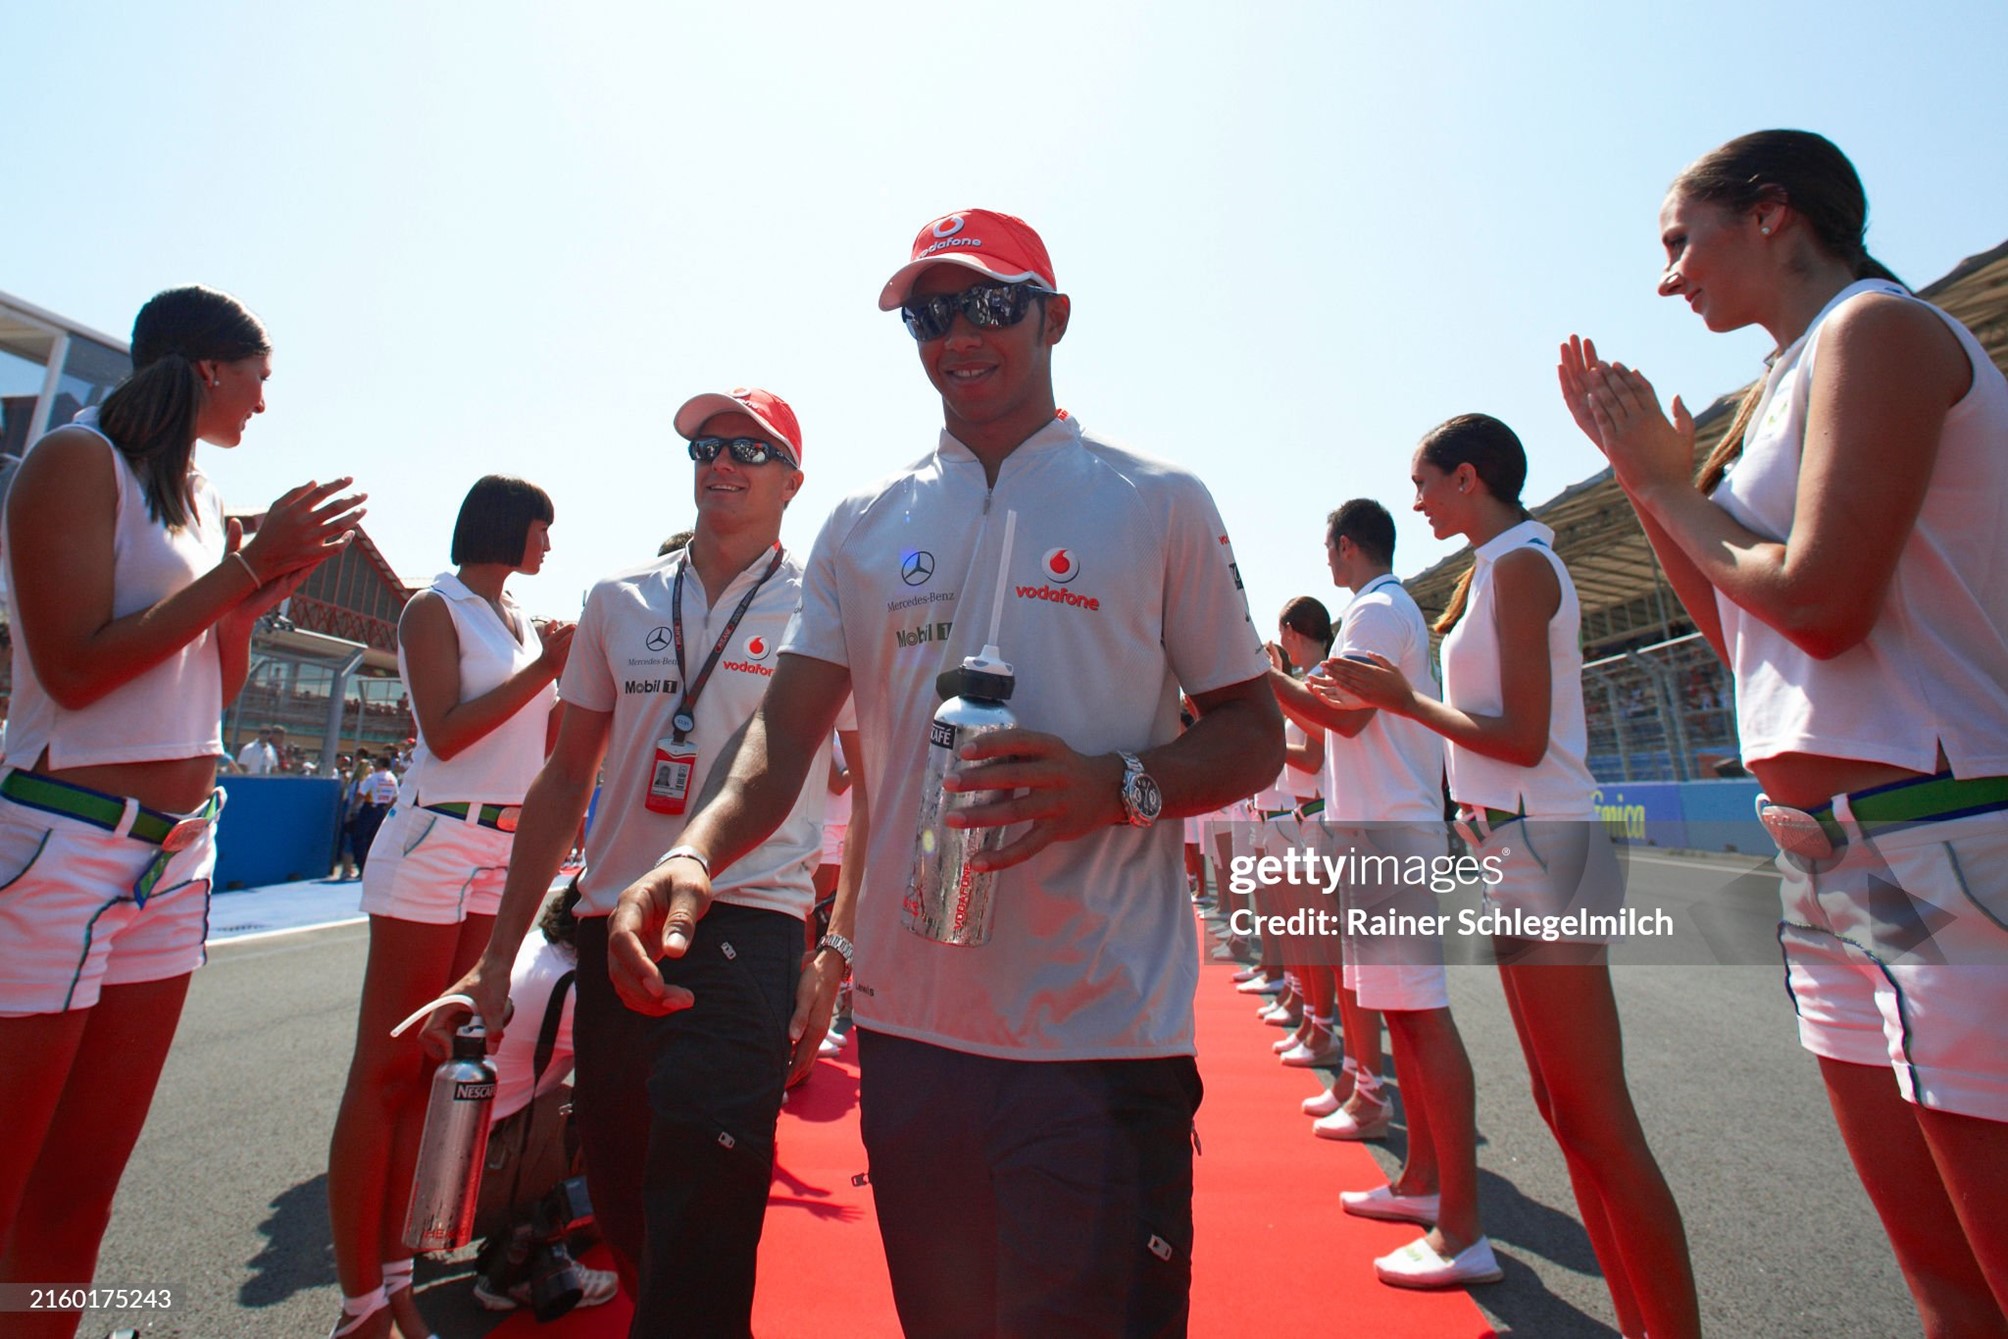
<point x="434" y="868"/>
<point x="1192" y="830"/>
<point x="1896" y="953"/>
<point x="1395" y="970"/>
<point x="1556" y="874"/>
<point x="69" y="922"/>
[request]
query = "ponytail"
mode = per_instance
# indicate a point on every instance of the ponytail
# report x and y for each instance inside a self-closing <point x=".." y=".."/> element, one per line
<point x="151" y="418"/>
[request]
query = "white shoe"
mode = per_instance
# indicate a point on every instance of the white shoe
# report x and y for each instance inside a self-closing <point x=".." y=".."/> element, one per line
<point x="1371" y="1123"/>
<point x="1312" y="1057"/>
<point x="1416" y="1265"/>
<point x="1261" y="985"/>
<point x="1324" y="1104"/>
<point x="1383" y="1203"/>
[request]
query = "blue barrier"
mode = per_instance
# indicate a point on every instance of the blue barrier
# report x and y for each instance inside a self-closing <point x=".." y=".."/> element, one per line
<point x="1722" y="816"/>
<point x="275" y="829"/>
<point x="1695" y="815"/>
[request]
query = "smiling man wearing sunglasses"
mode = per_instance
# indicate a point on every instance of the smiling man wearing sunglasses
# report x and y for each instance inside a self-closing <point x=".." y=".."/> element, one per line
<point x="1027" y="1103"/>
<point x="670" y="660"/>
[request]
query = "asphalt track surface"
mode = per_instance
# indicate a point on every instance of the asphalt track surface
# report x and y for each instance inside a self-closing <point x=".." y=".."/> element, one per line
<point x="225" y="1198"/>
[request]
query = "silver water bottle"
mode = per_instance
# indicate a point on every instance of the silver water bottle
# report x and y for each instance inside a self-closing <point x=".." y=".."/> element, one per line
<point x="946" y="900"/>
<point x="446" y="1184"/>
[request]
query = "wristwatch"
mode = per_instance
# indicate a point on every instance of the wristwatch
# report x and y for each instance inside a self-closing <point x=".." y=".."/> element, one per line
<point x="843" y="948"/>
<point x="1142" y="800"/>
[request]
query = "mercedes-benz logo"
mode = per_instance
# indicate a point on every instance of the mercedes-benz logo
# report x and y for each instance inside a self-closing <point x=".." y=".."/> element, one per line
<point x="917" y="567"/>
<point x="657" y="639"/>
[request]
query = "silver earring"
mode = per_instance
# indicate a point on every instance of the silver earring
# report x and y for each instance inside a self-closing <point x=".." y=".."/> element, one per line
<point x="1764" y="228"/>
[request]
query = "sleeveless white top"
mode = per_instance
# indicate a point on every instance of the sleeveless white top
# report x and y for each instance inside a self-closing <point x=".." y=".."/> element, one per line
<point x="173" y="710"/>
<point x="498" y="767"/>
<point x="1933" y="671"/>
<point x="1560" y="785"/>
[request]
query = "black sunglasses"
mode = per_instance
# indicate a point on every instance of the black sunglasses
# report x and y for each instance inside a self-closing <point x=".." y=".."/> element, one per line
<point x="745" y="450"/>
<point x="988" y="306"/>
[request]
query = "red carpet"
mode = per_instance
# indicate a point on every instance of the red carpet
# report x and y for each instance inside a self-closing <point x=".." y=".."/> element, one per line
<point x="1274" y="1253"/>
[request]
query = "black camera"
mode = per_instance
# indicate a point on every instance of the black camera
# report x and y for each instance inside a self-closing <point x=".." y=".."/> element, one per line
<point x="535" y="1254"/>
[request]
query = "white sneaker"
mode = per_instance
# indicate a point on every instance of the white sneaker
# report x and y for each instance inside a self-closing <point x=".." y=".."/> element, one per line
<point x="1383" y="1203"/>
<point x="1416" y="1265"/>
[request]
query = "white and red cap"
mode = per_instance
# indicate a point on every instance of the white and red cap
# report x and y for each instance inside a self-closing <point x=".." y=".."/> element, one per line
<point x="1003" y="247"/>
<point x="767" y="409"/>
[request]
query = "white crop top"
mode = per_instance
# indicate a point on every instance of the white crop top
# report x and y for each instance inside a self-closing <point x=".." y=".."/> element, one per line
<point x="1560" y="785"/>
<point x="173" y="710"/>
<point x="1933" y="672"/>
<point x="498" y="767"/>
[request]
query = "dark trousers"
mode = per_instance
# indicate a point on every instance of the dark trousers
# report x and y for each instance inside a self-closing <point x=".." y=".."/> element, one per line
<point x="1031" y="1199"/>
<point x="677" y="1115"/>
<point x="363" y="830"/>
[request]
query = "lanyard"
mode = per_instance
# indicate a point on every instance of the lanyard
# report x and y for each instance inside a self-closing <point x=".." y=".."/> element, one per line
<point x="683" y="720"/>
<point x="1375" y="584"/>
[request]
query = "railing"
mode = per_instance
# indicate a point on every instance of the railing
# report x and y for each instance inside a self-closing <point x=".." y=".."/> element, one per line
<point x="1661" y="713"/>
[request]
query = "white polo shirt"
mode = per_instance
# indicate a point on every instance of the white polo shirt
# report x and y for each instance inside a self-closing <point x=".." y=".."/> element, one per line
<point x="1392" y="771"/>
<point x="623" y="660"/>
<point x="1122" y="588"/>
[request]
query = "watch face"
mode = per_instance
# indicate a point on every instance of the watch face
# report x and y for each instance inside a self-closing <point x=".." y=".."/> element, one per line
<point x="1149" y="799"/>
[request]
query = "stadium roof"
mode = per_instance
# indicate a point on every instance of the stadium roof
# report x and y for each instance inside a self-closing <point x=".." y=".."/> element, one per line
<point x="1625" y="600"/>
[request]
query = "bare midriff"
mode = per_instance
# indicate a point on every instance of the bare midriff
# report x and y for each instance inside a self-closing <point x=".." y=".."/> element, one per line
<point x="172" y="785"/>
<point x="1809" y="780"/>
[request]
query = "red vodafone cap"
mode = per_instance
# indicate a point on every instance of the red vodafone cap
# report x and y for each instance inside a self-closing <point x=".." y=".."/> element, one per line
<point x="990" y="243"/>
<point x="767" y="409"/>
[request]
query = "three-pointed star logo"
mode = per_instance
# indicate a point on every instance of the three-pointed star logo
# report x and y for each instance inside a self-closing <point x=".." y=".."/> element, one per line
<point x="916" y="567"/>
<point x="657" y="639"/>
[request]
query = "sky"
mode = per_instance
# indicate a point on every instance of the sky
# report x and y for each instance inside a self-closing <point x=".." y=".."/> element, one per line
<point x="514" y="237"/>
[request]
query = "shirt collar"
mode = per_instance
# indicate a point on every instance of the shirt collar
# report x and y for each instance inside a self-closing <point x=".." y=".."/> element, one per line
<point x="1513" y="537"/>
<point x="1061" y="431"/>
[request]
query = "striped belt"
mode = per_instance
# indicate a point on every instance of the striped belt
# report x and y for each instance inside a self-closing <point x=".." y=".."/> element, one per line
<point x="1815" y="834"/>
<point x="501" y="817"/>
<point x="1310" y="808"/>
<point x="1476" y="824"/>
<point x="170" y="832"/>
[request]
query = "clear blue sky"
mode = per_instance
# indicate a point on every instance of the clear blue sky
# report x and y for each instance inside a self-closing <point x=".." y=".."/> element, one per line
<point x="516" y="236"/>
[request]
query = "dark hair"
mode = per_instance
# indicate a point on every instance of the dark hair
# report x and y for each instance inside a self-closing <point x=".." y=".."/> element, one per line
<point x="1494" y="453"/>
<point x="1815" y="179"/>
<point x="560" y="922"/>
<point x="1366" y="523"/>
<point x="494" y="522"/>
<point x="680" y="540"/>
<point x="150" y="416"/>
<point x="1307" y="617"/>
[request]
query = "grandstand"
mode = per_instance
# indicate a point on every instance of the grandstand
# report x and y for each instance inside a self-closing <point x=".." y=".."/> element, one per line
<point x="1658" y="699"/>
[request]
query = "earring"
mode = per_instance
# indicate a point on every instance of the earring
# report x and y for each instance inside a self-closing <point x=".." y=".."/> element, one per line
<point x="1764" y="228"/>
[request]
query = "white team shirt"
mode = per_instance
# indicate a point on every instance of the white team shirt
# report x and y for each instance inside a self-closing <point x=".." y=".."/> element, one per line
<point x="1392" y="771"/>
<point x="623" y="660"/>
<point x="1121" y="589"/>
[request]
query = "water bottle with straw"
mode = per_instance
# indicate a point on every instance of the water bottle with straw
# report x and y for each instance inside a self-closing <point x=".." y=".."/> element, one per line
<point x="946" y="900"/>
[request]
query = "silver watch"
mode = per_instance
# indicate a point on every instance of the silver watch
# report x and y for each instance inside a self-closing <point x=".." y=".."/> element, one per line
<point x="1142" y="800"/>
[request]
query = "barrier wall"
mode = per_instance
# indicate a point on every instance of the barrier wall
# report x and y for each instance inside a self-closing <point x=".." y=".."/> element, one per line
<point x="1694" y="815"/>
<point x="275" y="829"/>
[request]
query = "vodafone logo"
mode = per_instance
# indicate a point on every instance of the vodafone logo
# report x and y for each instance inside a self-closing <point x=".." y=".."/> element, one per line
<point x="949" y="226"/>
<point x="1059" y="565"/>
<point x="758" y="647"/>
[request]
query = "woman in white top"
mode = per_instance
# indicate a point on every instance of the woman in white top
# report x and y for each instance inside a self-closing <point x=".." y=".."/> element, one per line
<point x="480" y="681"/>
<point x="132" y="601"/>
<point x="1845" y="552"/>
<point x="1512" y="717"/>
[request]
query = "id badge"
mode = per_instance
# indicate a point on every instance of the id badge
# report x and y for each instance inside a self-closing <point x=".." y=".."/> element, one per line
<point x="669" y="776"/>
